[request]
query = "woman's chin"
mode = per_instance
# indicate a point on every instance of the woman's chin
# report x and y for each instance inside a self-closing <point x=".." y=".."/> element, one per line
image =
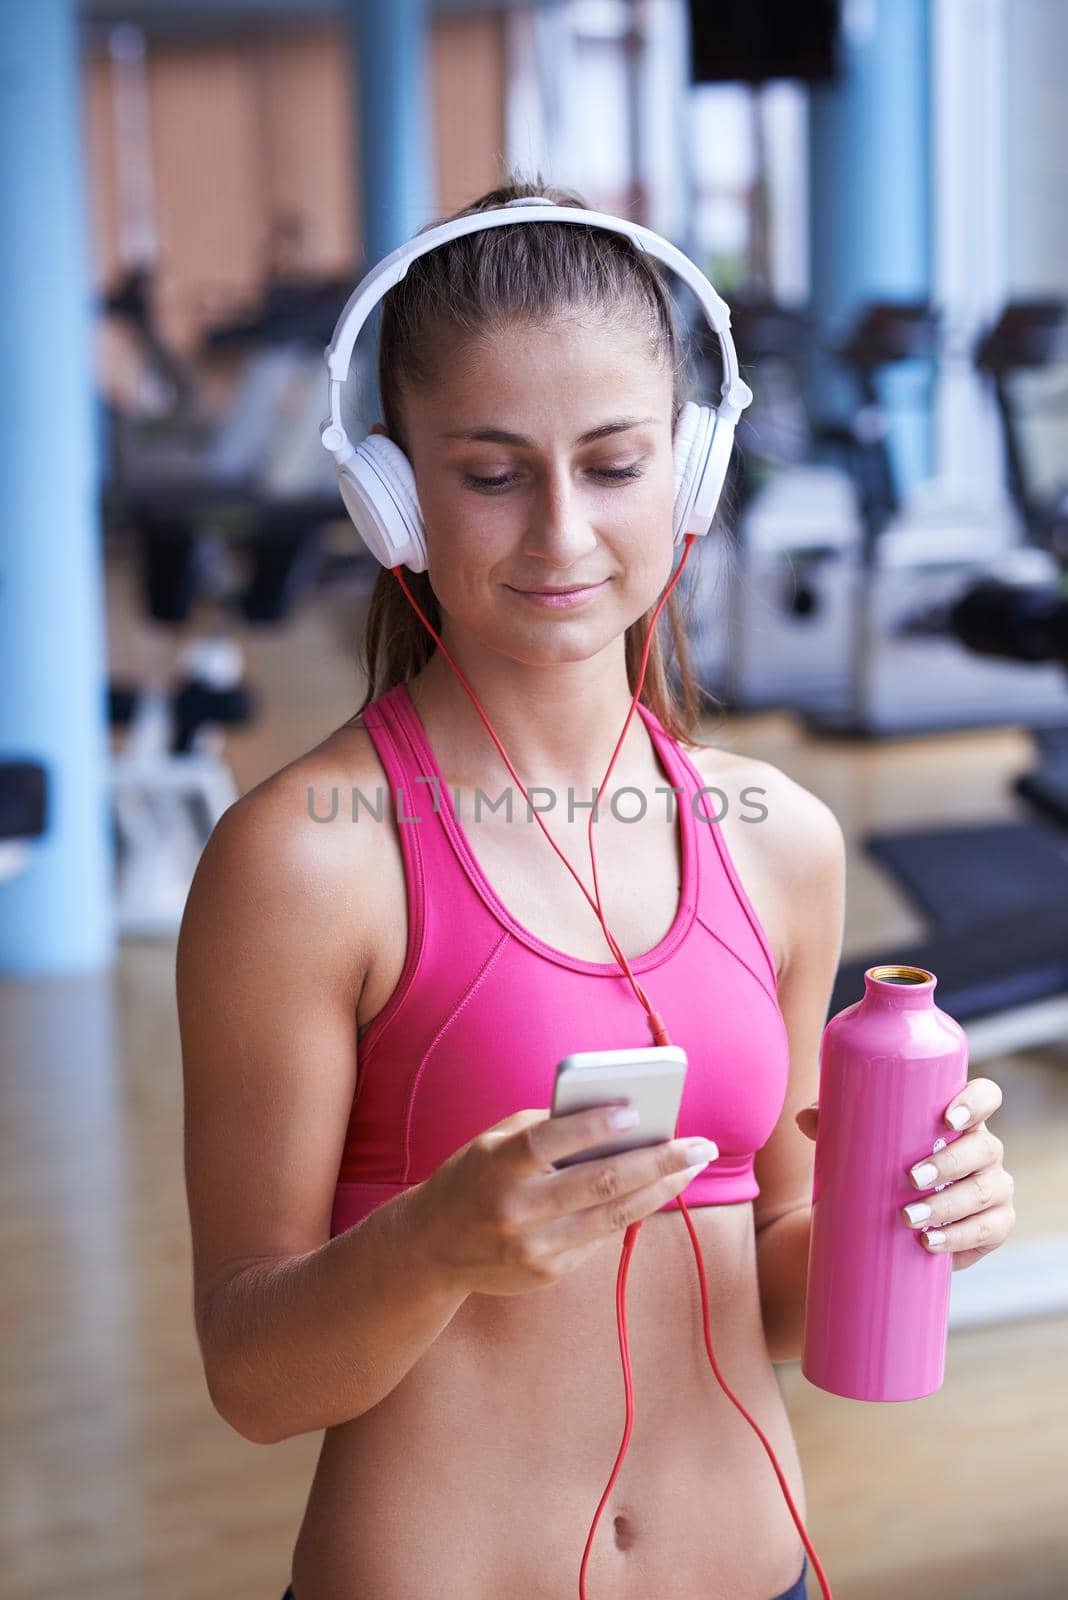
<point x="535" y="649"/>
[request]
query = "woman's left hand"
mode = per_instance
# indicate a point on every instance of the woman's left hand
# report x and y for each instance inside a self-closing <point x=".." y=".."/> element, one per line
<point x="978" y="1204"/>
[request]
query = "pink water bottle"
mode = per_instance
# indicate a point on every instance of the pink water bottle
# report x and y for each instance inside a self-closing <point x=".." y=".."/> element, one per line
<point x="877" y="1305"/>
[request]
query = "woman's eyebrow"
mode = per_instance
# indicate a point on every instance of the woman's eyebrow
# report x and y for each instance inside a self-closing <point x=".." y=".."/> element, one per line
<point x="500" y="436"/>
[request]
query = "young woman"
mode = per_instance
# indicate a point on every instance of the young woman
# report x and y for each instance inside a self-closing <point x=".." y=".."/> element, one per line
<point x="374" y="997"/>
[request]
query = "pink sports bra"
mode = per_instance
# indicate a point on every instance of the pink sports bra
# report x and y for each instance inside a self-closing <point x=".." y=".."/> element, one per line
<point x="484" y="1009"/>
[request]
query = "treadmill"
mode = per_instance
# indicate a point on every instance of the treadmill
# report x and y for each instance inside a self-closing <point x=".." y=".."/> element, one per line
<point x="995" y="896"/>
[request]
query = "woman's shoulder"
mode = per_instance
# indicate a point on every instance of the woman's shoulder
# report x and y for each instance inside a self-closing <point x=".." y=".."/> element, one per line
<point x="786" y="842"/>
<point x="791" y="807"/>
<point x="304" y="788"/>
<point x="287" y="848"/>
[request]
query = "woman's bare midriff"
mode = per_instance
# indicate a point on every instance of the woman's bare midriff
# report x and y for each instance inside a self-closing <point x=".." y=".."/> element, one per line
<point x="479" y="1475"/>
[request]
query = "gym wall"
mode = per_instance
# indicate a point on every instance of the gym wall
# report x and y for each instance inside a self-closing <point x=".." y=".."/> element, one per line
<point x="253" y="157"/>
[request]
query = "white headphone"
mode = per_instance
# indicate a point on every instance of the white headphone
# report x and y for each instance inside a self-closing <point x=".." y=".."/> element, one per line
<point x="375" y="477"/>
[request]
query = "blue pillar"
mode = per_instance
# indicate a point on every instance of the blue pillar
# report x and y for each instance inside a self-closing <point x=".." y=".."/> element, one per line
<point x="55" y="916"/>
<point x="870" y="195"/>
<point x="391" y="43"/>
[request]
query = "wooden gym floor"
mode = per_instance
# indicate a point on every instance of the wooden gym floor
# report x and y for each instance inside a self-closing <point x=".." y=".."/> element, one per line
<point x="118" y="1478"/>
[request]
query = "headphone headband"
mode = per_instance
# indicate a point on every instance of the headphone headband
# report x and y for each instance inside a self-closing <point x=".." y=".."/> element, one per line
<point x="735" y="394"/>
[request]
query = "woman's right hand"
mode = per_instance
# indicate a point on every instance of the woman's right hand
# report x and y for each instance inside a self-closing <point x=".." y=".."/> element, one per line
<point x="499" y="1219"/>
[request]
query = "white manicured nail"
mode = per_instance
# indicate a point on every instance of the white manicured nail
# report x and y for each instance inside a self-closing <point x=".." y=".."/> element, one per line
<point x="958" y="1116"/>
<point x="623" y="1117"/>
<point x="924" y="1174"/>
<point x="917" y="1211"/>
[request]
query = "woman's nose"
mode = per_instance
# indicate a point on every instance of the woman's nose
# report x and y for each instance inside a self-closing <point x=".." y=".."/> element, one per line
<point x="560" y="528"/>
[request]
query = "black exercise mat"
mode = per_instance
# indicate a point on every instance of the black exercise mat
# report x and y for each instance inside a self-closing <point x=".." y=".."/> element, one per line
<point x="23" y="791"/>
<point x="982" y="970"/>
<point x="959" y="876"/>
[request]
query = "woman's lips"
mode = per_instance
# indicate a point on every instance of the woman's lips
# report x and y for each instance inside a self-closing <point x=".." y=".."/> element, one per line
<point x="573" y="598"/>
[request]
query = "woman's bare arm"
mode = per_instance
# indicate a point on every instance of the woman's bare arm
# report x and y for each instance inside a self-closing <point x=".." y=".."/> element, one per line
<point x="294" y="1345"/>
<point x="297" y="1331"/>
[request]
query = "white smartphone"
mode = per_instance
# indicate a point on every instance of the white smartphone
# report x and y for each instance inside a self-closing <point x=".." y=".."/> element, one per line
<point x="650" y="1077"/>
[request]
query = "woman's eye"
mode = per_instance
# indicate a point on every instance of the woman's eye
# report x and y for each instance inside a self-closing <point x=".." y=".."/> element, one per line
<point x="472" y="482"/>
<point x="609" y="474"/>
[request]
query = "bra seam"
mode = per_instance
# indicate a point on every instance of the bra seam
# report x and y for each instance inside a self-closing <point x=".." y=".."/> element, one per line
<point x="488" y="963"/>
<point x="733" y="877"/>
<point x="416" y="900"/>
<point x="757" y="979"/>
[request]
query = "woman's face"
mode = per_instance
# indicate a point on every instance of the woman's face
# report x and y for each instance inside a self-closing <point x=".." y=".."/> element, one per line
<point x="518" y="494"/>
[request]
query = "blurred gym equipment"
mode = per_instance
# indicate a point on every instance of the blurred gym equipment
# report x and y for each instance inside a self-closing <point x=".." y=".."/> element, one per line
<point x="820" y="598"/>
<point x="170" y="782"/>
<point x="222" y="506"/>
<point x="916" y="559"/>
<point x="1025" y="356"/>
<point x="23" y="813"/>
<point x="997" y="895"/>
<point x="776" y="591"/>
<point x="226" y="514"/>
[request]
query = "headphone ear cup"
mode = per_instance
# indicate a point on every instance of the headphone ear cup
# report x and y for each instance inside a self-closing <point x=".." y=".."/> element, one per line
<point x="378" y="487"/>
<point x="710" y="487"/>
<point x="689" y="457"/>
<point x="702" y="452"/>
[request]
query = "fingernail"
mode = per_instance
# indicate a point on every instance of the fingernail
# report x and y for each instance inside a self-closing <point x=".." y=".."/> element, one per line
<point x="935" y="1240"/>
<point x="958" y="1116"/>
<point x="623" y="1117"/>
<point x="702" y="1150"/>
<point x="924" y="1175"/>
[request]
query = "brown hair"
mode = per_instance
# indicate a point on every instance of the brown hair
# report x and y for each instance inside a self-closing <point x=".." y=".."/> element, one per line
<point x="476" y="285"/>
